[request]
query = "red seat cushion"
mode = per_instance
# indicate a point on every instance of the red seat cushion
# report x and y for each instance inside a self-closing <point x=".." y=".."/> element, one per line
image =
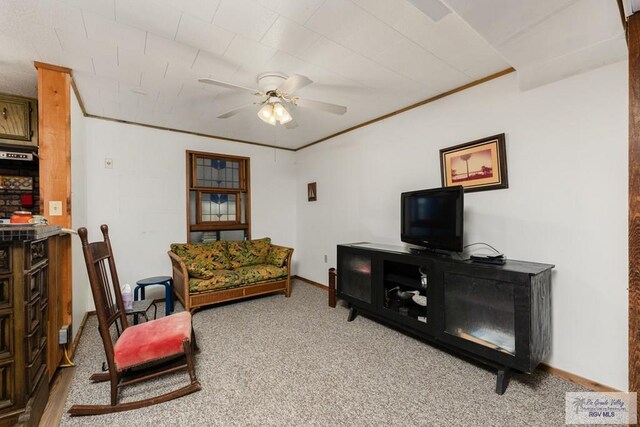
<point x="152" y="340"/>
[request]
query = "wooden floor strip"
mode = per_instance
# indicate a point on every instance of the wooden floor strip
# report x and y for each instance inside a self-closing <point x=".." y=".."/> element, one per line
<point x="57" y="397"/>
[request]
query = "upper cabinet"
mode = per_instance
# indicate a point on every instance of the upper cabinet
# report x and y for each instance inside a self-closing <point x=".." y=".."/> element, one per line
<point x="18" y="121"/>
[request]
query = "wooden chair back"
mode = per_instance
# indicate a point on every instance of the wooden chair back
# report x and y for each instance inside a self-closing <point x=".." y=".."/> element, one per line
<point x="105" y="288"/>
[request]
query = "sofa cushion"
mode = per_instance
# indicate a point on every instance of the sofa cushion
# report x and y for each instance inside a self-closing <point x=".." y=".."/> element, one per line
<point x="258" y="273"/>
<point x="202" y="259"/>
<point x="277" y="255"/>
<point x="248" y="252"/>
<point x="220" y="279"/>
<point x="258" y="250"/>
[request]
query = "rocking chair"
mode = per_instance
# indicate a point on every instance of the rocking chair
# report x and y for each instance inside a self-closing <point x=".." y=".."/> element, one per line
<point x="142" y="351"/>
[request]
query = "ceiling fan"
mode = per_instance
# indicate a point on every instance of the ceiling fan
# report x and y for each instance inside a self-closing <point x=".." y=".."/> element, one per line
<point x="277" y="103"/>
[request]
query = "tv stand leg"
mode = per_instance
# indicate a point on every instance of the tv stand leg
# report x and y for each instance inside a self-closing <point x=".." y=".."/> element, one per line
<point x="353" y="312"/>
<point x="502" y="380"/>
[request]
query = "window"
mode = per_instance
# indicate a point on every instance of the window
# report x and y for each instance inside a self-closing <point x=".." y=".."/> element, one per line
<point x="219" y="197"/>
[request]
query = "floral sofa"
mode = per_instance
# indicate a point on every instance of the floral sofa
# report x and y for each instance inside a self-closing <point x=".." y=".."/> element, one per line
<point x="209" y="273"/>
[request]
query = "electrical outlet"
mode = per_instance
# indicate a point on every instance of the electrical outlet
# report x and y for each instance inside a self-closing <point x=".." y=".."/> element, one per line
<point x="325" y="259"/>
<point x="55" y="208"/>
<point x="64" y="334"/>
<point x="108" y="163"/>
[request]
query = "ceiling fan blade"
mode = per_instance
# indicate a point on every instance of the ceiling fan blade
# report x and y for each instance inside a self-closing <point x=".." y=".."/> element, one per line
<point x="293" y="83"/>
<point x="228" y="85"/>
<point x="234" y="111"/>
<point x="319" y="105"/>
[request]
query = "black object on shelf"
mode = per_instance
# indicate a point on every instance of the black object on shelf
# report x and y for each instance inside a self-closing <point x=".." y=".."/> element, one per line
<point x="498" y="259"/>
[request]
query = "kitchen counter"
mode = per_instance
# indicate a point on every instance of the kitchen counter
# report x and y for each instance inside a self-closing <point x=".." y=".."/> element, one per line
<point x="10" y="233"/>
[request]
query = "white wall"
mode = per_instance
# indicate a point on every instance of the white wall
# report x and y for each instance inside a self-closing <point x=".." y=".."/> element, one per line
<point x="81" y="292"/>
<point x="143" y="198"/>
<point x="566" y="203"/>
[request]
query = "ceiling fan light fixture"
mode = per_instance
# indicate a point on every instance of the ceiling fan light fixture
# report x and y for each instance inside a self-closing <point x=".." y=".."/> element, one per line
<point x="286" y="119"/>
<point x="279" y="111"/>
<point x="274" y="113"/>
<point x="266" y="113"/>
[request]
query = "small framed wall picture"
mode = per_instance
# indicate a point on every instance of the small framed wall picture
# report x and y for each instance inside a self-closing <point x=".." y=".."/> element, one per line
<point x="477" y="165"/>
<point x="312" y="192"/>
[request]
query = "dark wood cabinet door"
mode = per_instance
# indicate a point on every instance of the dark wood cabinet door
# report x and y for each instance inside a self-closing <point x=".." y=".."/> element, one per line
<point x="15" y="118"/>
<point x="7" y="390"/>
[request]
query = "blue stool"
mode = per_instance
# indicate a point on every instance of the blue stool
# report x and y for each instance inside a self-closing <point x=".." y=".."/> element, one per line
<point x="165" y="281"/>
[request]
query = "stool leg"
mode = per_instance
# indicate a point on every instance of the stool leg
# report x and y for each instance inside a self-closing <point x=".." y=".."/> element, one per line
<point x="167" y="299"/>
<point x="135" y="293"/>
<point x="173" y="300"/>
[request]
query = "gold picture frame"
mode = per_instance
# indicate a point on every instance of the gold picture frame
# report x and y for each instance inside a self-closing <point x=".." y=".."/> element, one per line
<point x="478" y="165"/>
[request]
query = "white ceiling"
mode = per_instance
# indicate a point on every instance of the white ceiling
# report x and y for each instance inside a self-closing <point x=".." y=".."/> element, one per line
<point x="374" y="56"/>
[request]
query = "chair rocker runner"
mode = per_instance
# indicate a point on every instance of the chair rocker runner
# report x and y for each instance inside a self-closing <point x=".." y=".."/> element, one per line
<point x="142" y="351"/>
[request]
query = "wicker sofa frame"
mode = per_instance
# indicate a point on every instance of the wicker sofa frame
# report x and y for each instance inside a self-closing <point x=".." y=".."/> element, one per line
<point x="193" y="302"/>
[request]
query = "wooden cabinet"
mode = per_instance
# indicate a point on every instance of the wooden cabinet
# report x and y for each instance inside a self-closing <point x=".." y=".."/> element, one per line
<point x="497" y="314"/>
<point x="24" y="329"/>
<point x="18" y="121"/>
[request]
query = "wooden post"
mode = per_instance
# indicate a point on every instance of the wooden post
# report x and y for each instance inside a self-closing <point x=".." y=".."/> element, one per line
<point x="54" y="125"/>
<point x="634" y="202"/>
<point x="332" y="287"/>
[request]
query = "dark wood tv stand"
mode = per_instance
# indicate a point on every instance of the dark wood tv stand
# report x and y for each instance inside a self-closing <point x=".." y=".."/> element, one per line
<point x="499" y="315"/>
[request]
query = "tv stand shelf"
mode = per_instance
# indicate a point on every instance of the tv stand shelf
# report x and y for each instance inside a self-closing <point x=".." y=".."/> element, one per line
<point x="402" y="280"/>
<point x="497" y="314"/>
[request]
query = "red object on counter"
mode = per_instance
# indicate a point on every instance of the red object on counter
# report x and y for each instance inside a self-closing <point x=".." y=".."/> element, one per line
<point x="21" y="217"/>
<point x="26" y="200"/>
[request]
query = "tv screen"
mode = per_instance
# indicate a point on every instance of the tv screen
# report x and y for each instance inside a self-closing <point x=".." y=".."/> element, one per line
<point x="433" y="218"/>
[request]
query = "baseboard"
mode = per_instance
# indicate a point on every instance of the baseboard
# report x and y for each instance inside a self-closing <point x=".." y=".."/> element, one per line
<point x="311" y="282"/>
<point x="577" y="379"/>
<point x="76" y="340"/>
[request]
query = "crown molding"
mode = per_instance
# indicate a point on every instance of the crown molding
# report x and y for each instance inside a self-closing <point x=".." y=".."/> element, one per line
<point x="412" y="106"/>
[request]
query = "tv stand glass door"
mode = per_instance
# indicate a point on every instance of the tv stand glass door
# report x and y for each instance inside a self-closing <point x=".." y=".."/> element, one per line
<point x="481" y="311"/>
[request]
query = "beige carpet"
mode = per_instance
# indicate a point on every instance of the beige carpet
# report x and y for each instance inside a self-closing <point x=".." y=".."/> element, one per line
<point x="276" y="361"/>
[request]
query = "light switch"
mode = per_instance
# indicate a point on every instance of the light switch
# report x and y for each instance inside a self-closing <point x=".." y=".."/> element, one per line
<point x="55" y="208"/>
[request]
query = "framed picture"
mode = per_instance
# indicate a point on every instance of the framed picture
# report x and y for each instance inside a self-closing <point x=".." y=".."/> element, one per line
<point x="477" y="165"/>
<point x="16" y="183"/>
<point x="312" y="192"/>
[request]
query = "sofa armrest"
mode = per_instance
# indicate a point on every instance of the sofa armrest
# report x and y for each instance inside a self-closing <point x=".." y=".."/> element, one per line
<point x="287" y="262"/>
<point x="180" y="279"/>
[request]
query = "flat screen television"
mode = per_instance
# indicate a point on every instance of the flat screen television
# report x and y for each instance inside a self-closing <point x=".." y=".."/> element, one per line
<point x="433" y="218"/>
